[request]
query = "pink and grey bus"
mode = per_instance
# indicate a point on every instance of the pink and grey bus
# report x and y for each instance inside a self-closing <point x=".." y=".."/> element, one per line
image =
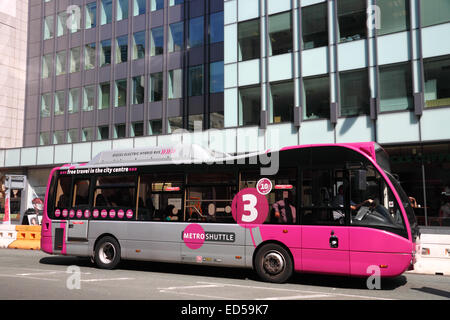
<point x="331" y="209"/>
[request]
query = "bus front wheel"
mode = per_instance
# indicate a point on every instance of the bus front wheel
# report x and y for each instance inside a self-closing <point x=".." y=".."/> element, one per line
<point x="273" y="263"/>
<point x="107" y="253"/>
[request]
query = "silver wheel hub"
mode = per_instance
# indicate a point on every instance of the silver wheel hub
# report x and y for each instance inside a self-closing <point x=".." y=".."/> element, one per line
<point x="107" y="253"/>
<point x="274" y="263"/>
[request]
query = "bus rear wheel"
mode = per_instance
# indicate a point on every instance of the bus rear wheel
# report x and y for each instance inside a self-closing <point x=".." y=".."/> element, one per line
<point x="107" y="253"/>
<point x="273" y="263"/>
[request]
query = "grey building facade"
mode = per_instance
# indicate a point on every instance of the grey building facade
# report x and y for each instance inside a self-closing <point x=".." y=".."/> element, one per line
<point x="111" y="69"/>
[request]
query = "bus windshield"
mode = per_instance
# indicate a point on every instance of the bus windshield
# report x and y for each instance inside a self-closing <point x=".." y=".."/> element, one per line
<point x="405" y="201"/>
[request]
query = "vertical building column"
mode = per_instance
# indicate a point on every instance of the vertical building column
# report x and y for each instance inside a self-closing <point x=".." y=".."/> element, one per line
<point x="264" y="64"/>
<point x="372" y="58"/>
<point x="333" y="69"/>
<point x="297" y="41"/>
<point x="415" y="34"/>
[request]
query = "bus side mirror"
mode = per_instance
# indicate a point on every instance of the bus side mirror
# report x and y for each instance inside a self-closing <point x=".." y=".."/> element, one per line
<point x="361" y="180"/>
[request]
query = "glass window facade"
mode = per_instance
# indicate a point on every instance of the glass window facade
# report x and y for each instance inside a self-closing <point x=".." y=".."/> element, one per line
<point x="47" y="66"/>
<point x="105" y="53"/>
<point x="196" y="32"/>
<point x="49" y="29"/>
<point x="216" y="77"/>
<point x="434" y="12"/>
<point x="249" y="105"/>
<point x="139" y="7"/>
<point x="87" y="134"/>
<point x="103" y="133"/>
<point x="282" y="101"/>
<point x="120" y="131"/>
<point x="88" y="98"/>
<point x="195" y="122"/>
<point x="138" y="90"/>
<point x="155" y="127"/>
<point x="175" y="2"/>
<point x="394" y="16"/>
<point x="174" y="123"/>
<point x="137" y="129"/>
<point x="157" y="41"/>
<point x="352" y="20"/>
<point x="280" y="33"/>
<point x="122" y="10"/>
<point x="44" y="138"/>
<point x="104" y="95"/>
<point x="156" y="87"/>
<point x="91" y="15"/>
<point x="61" y="27"/>
<point x="120" y="97"/>
<point x="316" y="97"/>
<point x="216" y="27"/>
<point x="60" y="102"/>
<point x="89" y="56"/>
<point x="139" y="45"/>
<point x="106" y="12"/>
<point x="58" y="137"/>
<point x="195" y="81"/>
<point x="176" y="37"/>
<point x="157" y="5"/>
<point x="175" y="83"/>
<point x="396" y="88"/>
<point x="437" y="81"/>
<point x="46" y="105"/>
<point x="122" y="49"/>
<point x="249" y="41"/>
<point x="75" y="56"/>
<point x="315" y="26"/>
<point x="74" y="100"/>
<point x="61" y="63"/>
<point x="73" y="136"/>
<point x="354" y="93"/>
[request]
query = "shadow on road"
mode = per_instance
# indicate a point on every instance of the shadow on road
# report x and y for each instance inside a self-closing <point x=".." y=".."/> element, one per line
<point x="314" y="280"/>
<point x="435" y="292"/>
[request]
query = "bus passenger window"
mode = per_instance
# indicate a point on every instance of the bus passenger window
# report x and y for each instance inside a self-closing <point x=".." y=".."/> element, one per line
<point x="115" y="191"/>
<point x="160" y="197"/>
<point x="282" y="199"/>
<point x="81" y="193"/>
<point x="209" y="195"/>
<point x="62" y="199"/>
<point x="323" y="198"/>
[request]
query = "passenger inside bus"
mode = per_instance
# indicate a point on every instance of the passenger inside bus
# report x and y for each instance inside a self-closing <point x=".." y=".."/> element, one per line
<point x="63" y="192"/>
<point x="283" y="211"/>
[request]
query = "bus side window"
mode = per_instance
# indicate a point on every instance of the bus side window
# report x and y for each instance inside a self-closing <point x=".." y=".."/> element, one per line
<point x="282" y="199"/>
<point x="62" y="199"/>
<point x="160" y="197"/>
<point x="81" y="193"/>
<point x="323" y="199"/>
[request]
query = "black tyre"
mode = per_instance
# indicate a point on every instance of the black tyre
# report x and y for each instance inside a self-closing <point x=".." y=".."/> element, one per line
<point x="273" y="263"/>
<point x="107" y="253"/>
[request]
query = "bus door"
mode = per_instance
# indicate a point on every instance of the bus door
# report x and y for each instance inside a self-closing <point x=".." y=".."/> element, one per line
<point x="325" y="235"/>
<point x="79" y="213"/>
<point x="378" y="236"/>
<point x="209" y="196"/>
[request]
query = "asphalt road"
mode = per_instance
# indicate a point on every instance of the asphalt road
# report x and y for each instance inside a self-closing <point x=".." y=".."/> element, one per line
<point x="35" y="275"/>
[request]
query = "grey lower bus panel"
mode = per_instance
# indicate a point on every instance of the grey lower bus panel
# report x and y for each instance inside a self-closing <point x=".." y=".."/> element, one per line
<point x="162" y="241"/>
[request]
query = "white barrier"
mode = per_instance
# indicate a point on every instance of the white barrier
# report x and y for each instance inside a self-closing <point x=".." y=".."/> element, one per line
<point x="8" y="235"/>
<point x="433" y="256"/>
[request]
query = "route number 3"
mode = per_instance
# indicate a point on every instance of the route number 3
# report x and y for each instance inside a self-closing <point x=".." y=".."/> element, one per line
<point x="249" y="208"/>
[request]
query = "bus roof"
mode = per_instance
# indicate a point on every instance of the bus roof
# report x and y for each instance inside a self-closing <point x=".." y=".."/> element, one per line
<point x="193" y="153"/>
